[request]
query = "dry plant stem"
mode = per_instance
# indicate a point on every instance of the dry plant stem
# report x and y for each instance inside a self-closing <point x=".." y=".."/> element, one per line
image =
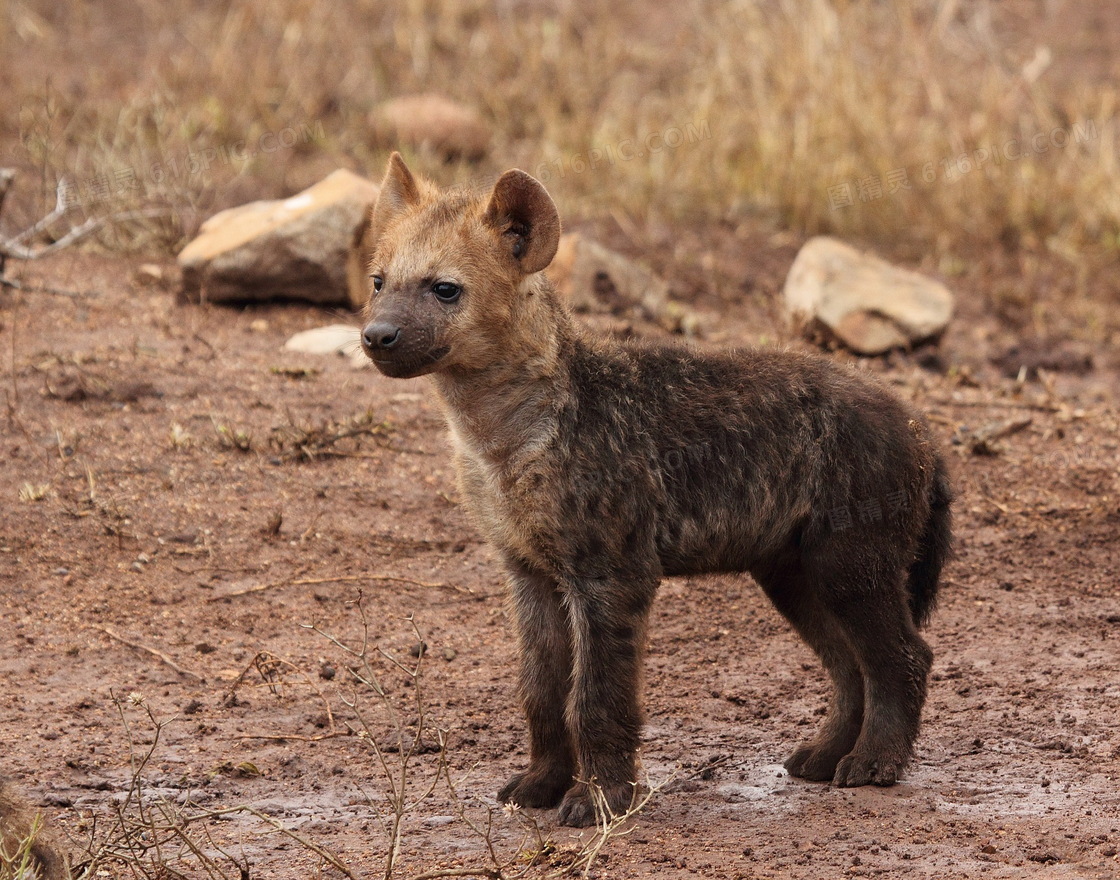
<point x="345" y="578"/>
<point x="609" y="826"/>
<point x="486" y="835"/>
<point x="267" y="665"/>
<point x="159" y="655"/>
<point x="398" y="779"/>
<point x="142" y="836"/>
<point x="305" y="842"/>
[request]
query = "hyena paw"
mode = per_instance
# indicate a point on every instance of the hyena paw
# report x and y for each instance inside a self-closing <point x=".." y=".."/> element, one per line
<point x="536" y="788"/>
<point x="855" y="770"/>
<point x="812" y="762"/>
<point x="581" y="807"/>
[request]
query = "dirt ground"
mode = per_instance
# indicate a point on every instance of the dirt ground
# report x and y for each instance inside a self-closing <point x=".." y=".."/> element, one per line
<point x="176" y="517"/>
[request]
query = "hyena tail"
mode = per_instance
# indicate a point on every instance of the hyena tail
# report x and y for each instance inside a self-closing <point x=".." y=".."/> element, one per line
<point x="934" y="549"/>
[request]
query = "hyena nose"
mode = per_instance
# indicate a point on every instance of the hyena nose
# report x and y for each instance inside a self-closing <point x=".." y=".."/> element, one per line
<point x="381" y="336"/>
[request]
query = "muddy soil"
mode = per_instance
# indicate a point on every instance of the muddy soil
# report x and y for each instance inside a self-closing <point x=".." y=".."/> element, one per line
<point x="189" y="544"/>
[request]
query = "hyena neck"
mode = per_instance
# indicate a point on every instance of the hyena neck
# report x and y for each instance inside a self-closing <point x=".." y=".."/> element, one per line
<point x="509" y="408"/>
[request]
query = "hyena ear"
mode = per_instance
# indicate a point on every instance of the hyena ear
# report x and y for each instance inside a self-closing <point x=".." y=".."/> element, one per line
<point x="522" y="211"/>
<point x="399" y="192"/>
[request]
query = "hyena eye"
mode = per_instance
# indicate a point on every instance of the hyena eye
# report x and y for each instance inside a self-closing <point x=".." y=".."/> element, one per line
<point x="447" y="291"/>
<point x="378" y="283"/>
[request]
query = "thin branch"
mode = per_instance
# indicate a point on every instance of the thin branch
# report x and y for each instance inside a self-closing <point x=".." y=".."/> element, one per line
<point x="159" y="655"/>
<point x="304" y="582"/>
<point x="994" y="404"/>
<point x="53" y="291"/>
<point x="305" y="842"/>
<point x="16" y="247"/>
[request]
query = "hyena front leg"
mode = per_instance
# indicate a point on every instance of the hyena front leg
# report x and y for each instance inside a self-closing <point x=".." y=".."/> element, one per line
<point x="546" y="668"/>
<point x="608" y="622"/>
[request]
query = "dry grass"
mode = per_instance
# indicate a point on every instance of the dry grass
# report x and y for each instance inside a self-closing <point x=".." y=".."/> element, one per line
<point x="740" y="108"/>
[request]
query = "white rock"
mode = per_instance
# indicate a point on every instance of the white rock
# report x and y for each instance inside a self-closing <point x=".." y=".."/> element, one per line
<point x="331" y="339"/>
<point x="867" y="304"/>
<point x="294" y="248"/>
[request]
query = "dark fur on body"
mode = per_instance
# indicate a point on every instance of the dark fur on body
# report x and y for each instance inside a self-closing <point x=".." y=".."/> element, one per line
<point x="16" y="823"/>
<point x="597" y="467"/>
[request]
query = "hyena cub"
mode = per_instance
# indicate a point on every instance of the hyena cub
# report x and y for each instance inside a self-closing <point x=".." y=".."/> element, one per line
<point x="597" y="467"/>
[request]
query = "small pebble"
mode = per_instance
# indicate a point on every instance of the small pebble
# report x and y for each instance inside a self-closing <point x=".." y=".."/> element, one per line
<point x="450" y="654"/>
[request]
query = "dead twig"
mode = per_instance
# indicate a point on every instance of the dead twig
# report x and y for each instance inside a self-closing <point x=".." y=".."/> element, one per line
<point x="17" y="248"/>
<point x="53" y="291"/>
<point x="983" y="440"/>
<point x="347" y="578"/>
<point x="159" y="655"/>
<point x="995" y="404"/>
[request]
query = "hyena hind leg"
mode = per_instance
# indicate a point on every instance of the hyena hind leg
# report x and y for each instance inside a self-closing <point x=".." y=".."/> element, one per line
<point x="817" y="758"/>
<point x="895" y="661"/>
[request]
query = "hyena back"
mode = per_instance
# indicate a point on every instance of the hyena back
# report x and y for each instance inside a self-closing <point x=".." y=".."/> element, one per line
<point x="597" y="467"/>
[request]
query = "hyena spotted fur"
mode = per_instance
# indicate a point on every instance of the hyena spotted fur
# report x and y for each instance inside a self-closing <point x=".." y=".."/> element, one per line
<point x="597" y="467"/>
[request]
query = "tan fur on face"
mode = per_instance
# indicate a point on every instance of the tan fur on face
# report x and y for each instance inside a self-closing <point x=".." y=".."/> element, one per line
<point x="490" y="244"/>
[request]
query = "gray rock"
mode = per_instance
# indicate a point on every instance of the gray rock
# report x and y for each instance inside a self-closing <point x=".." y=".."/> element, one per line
<point x="593" y="278"/>
<point x="868" y="305"/>
<point x="294" y="248"/>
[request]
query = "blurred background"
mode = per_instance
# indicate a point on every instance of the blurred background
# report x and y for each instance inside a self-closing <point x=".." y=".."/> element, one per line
<point x="942" y="132"/>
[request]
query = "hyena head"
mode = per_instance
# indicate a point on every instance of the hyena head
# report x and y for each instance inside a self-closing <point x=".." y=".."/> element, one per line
<point x="450" y="271"/>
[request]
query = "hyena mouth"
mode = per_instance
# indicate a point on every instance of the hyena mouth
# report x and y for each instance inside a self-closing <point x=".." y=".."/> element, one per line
<point x="408" y="365"/>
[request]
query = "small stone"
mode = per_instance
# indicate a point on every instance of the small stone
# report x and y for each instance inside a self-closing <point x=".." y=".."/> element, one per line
<point x="836" y="292"/>
<point x="438" y="821"/>
<point x="450" y="654"/>
<point x="327" y="672"/>
<point x="136" y="566"/>
<point x="418" y="650"/>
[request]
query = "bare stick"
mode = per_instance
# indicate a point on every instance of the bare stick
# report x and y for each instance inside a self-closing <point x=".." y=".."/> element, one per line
<point x="12" y="247"/>
<point x="305" y="842"/>
<point x="304" y="582"/>
<point x="16" y="247"/>
<point x="995" y="404"/>
<point x="159" y="655"/>
<point x="53" y="291"/>
<point x="459" y="872"/>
